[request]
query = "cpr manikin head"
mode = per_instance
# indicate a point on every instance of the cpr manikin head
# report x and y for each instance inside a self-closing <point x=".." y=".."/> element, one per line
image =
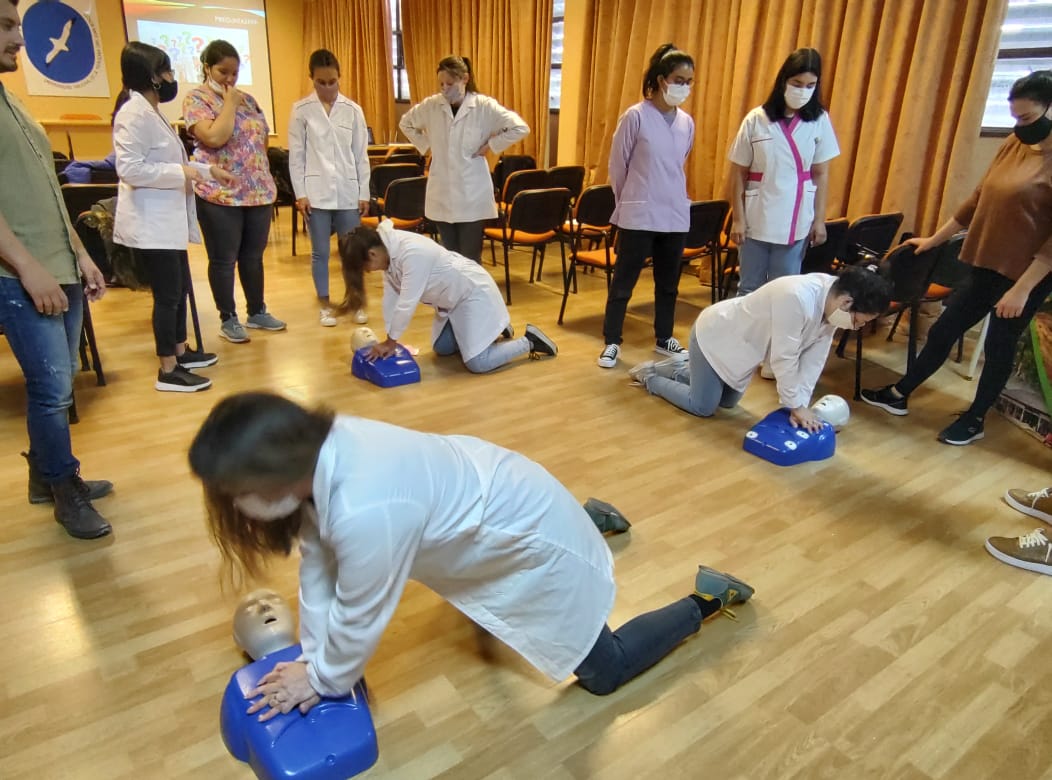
<point x="834" y="410"/>
<point x="363" y="337"/>
<point x="263" y="624"/>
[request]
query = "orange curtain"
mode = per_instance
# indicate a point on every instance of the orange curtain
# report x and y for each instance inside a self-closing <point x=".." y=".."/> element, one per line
<point x="905" y="82"/>
<point x="358" y="32"/>
<point x="509" y="43"/>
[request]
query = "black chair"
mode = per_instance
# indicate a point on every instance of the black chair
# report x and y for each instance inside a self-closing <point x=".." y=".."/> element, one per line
<point x="412" y="157"/>
<point x="81" y="197"/>
<point x="948" y="274"/>
<point x="381" y="176"/>
<point x="823" y="258"/>
<point x="533" y="220"/>
<point x="707" y="218"/>
<point x="104" y="176"/>
<point x="403" y="204"/>
<point x="909" y="274"/>
<point x="870" y="237"/>
<point x="569" y="176"/>
<point x="278" y="159"/>
<point x="591" y="225"/>
<point x="518" y="181"/>
<point x="507" y="165"/>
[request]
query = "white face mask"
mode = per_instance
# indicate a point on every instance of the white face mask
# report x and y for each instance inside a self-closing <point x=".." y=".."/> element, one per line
<point x="258" y="507"/>
<point x="454" y="93"/>
<point x="839" y="318"/>
<point x="798" y="97"/>
<point x="216" y="86"/>
<point x="675" y="94"/>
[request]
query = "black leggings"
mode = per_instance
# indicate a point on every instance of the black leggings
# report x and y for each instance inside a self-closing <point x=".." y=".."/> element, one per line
<point x="633" y="249"/>
<point x="169" y="274"/>
<point x="464" y="238"/>
<point x="968" y="305"/>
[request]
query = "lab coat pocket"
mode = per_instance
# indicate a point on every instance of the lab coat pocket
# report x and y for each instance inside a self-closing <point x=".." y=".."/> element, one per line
<point x="314" y="188"/>
<point x="807" y="208"/>
<point x="753" y="209"/>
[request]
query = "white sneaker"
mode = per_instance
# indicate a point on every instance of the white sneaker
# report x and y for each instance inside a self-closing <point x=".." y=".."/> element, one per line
<point x="609" y="355"/>
<point x="361" y="317"/>
<point x="766" y="372"/>
<point x="642" y="372"/>
<point x="327" y="319"/>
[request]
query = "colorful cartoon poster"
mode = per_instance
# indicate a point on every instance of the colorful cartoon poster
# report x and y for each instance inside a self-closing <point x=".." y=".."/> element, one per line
<point x="63" y="52"/>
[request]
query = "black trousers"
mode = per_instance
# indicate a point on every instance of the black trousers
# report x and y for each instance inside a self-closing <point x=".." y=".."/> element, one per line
<point x="235" y="235"/>
<point x="464" y="238"/>
<point x="633" y="248"/>
<point x="968" y="305"/>
<point x="169" y="274"/>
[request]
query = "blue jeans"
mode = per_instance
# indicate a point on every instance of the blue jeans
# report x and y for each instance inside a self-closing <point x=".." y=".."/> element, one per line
<point x="695" y="386"/>
<point x="46" y="349"/>
<point x="322" y="224"/>
<point x="618" y="656"/>
<point x="492" y="357"/>
<point x="759" y="262"/>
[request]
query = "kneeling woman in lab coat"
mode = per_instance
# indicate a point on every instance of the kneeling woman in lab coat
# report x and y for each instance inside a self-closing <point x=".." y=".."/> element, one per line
<point x="372" y="505"/>
<point x="793" y="318"/>
<point x="470" y="314"/>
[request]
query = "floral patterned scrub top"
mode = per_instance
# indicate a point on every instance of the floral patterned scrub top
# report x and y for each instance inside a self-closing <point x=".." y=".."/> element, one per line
<point x="244" y="155"/>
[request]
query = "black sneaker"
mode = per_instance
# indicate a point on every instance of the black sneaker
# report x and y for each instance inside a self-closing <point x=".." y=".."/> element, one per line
<point x="964" y="430"/>
<point x="508" y="332"/>
<point x="179" y="380"/>
<point x="539" y="343"/>
<point x="670" y="347"/>
<point x="194" y="359"/>
<point x="886" y="400"/>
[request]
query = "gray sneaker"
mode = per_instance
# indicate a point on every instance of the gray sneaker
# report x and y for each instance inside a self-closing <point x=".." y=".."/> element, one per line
<point x="233" y="331"/>
<point x="264" y="320"/>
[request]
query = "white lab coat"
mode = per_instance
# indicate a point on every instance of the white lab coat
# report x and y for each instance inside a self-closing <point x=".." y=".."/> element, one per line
<point x="459" y="186"/>
<point x="154" y="210"/>
<point x="461" y="291"/>
<point x="328" y="155"/>
<point x="487" y="529"/>
<point x="780" y="196"/>
<point x="785" y="316"/>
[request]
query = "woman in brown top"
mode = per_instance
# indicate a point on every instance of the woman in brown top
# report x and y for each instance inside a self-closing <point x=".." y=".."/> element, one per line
<point x="1009" y="247"/>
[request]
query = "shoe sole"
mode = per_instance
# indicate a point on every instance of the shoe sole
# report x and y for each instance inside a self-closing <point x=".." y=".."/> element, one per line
<point x="742" y="586"/>
<point x="889" y="409"/>
<point x="233" y="340"/>
<point x="93" y="535"/>
<point x="675" y="355"/>
<point x="328" y="324"/>
<point x="962" y="442"/>
<point x="1026" y="510"/>
<point x="162" y="387"/>
<point x="200" y="363"/>
<point x="640" y="373"/>
<point x="264" y="327"/>
<point x="604" y="364"/>
<point x="538" y="339"/>
<point x="1012" y="561"/>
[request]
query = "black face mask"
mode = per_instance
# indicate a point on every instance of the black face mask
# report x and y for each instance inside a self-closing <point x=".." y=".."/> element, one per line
<point x="1035" y="132"/>
<point x="167" y="90"/>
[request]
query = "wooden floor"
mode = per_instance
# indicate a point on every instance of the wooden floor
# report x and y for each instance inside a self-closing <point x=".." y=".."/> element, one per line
<point x="883" y="641"/>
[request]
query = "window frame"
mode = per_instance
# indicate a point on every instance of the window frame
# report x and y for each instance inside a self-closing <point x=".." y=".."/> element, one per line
<point x="1003" y="54"/>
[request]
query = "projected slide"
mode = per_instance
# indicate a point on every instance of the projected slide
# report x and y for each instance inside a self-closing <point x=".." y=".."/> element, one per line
<point x="183" y="29"/>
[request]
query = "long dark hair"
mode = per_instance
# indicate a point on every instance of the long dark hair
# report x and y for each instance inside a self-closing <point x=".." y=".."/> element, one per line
<point x="662" y="62"/>
<point x="250" y="442"/>
<point x="141" y="68"/>
<point x="354" y="255"/>
<point x="800" y="61"/>
<point x="458" y="67"/>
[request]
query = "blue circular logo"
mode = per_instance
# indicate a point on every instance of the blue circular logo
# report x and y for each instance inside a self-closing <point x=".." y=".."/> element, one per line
<point x="59" y="42"/>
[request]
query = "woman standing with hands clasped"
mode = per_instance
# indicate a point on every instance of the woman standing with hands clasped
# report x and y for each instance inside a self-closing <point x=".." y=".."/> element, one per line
<point x="460" y="126"/>
<point x="156" y="217"/>
<point x="1009" y="249"/>
<point x="779" y="178"/>
<point x="329" y="168"/>
<point x="230" y="131"/>
<point x="652" y="212"/>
